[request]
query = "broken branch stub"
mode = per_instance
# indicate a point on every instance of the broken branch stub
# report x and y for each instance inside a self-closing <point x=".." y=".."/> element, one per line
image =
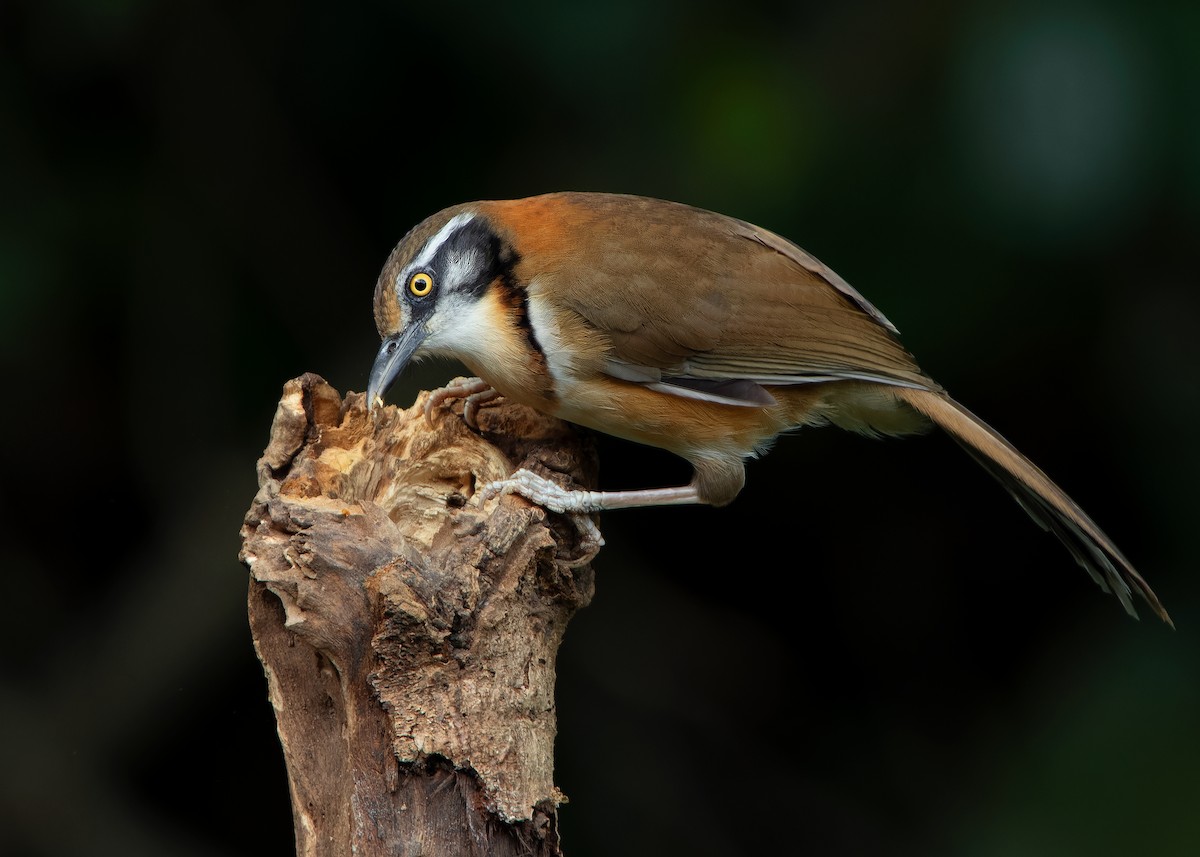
<point x="408" y="635"/>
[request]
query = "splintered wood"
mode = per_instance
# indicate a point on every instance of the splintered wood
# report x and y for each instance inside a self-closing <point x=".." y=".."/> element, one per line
<point x="408" y="635"/>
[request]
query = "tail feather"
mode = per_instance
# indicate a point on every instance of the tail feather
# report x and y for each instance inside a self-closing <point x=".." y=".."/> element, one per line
<point x="1037" y="494"/>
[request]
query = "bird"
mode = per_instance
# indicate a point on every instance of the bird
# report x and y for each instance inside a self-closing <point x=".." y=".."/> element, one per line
<point x="683" y="329"/>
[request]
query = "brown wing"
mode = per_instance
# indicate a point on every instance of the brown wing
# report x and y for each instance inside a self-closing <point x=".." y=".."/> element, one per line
<point x="682" y="293"/>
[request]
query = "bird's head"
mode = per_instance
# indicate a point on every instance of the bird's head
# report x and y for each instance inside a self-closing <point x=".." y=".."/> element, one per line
<point x="430" y="296"/>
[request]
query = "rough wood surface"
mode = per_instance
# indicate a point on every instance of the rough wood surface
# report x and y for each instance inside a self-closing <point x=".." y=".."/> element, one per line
<point x="409" y="636"/>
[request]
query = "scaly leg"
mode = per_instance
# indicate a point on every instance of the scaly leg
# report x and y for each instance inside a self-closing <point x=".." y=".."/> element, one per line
<point x="551" y="495"/>
<point x="579" y="504"/>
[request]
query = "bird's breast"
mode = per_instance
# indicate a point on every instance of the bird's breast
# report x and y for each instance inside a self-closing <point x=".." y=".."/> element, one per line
<point x="497" y="339"/>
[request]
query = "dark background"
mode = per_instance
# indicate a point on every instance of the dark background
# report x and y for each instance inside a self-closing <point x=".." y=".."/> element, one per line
<point x="872" y="651"/>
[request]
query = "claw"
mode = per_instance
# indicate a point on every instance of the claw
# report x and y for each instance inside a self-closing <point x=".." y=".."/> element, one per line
<point x="474" y="402"/>
<point x="550" y="495"/>
<point x="475" y="391"/>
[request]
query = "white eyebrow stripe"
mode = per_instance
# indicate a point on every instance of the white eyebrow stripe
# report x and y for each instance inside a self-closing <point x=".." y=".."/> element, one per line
<point x="435" y="243"/>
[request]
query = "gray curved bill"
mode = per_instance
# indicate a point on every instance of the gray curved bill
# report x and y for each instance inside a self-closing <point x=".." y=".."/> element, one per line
<point x="395" y="353"/>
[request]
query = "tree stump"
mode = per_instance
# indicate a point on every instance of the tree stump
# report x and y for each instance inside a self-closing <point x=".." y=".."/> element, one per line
<point x="408" y="635"/>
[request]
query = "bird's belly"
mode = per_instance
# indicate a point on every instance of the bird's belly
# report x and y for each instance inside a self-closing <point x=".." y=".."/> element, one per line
<point x="688" y="427"/>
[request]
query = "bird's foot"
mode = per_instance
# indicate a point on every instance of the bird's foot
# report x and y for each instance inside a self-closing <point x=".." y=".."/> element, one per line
<point x="475" y="391"/>
<point x="542" y="491"/>
<point x="554" y="497"/>
<point x="550" y="495"/>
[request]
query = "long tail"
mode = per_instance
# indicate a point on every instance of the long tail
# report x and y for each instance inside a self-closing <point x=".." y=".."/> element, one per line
<point x="1045" y="502"/>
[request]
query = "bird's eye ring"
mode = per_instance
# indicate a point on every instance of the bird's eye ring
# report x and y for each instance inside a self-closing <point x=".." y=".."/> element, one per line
<point x="420" y="284"/>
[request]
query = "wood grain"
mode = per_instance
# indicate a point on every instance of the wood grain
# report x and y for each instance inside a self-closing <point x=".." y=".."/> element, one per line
<point x="408" y="636"/>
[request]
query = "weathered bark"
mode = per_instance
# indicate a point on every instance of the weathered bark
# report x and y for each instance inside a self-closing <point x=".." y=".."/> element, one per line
<point x="409" y="636"/>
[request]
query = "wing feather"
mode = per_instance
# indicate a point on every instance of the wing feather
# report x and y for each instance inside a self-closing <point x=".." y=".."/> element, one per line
<point x="758" y="307"/>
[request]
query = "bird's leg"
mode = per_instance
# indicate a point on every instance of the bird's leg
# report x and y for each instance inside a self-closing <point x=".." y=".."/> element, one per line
<point x="475" y="391"/>
<point x="551" y="495"/>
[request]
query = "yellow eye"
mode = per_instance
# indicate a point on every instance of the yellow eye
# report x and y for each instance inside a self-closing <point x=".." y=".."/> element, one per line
<point x="421" y="284"/>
